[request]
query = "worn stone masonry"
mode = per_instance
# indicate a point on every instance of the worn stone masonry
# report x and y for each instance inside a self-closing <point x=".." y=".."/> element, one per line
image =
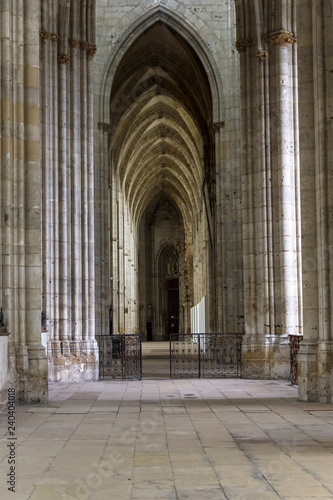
<point x="67" y="47"/>
<point x="154" y="153"/>
<point x="315" y="28"/>
<point x="271" y="201"/>
<point x="21" y="198"/>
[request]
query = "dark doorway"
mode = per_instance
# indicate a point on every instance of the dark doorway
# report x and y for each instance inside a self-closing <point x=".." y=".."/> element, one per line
<point x="149" y="332"/>
<point x="173" y="306"/>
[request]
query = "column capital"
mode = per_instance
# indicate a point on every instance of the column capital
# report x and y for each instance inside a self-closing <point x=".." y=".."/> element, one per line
<point x="44" y="35"/>
<point x="281" y="37"/>
<point x="218" y="125"/>
<point x="106" y="127"/>
<point x="241" y="45"/>
<point x="262" y="54"/>
<point x="63" y="58"/>
<point x="73" y="43"/>
<point x="84" y="46"/>
<point x="92" y="49"/>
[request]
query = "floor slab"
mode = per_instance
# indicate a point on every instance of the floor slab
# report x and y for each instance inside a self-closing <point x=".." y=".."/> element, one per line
<point x="171" y="439"/>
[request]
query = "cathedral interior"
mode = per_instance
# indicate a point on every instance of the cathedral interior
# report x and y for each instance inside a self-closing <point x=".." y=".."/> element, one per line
<point x="157" y="154"/>
<point x="166" y="171"/>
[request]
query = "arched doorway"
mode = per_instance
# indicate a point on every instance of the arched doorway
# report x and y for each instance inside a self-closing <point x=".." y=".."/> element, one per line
<point x="169" y="275"/>
<point x="172" y="287"/>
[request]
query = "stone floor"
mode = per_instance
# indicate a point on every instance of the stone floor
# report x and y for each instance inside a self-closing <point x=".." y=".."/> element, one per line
<point x="155" y="360"/>
<point x="171" y="439"/>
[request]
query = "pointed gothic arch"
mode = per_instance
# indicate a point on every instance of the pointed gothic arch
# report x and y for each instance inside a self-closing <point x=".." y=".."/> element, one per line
<point x="164" y="15"/>
<point x="166" y="127"/>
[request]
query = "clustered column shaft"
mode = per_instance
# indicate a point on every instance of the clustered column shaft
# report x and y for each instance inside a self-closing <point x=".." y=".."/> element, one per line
<point x="67" y="39"/>
<point x="272" y="278"/>
<point x="21" y="196"/>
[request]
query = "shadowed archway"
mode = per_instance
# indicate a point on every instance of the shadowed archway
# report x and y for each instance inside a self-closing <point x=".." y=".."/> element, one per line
<point x="161" y="157"/>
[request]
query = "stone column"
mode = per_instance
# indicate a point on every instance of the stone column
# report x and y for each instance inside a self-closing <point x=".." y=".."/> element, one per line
<point x="270" y="190"/>
<point x="114" y="235"/>
<point x="121" y="264"/>
<point x="69" y="280"/>
<point x="90" y="290"/>
<point x="77" y="82"/>
<point x="227" y="214"/>
<point x="315" y="29"/>
<point x="50" y="175"/>
<point x="7" y="163"/>
<point x="105" y="211"/>
<point x="284" y="184"/>
<point x="64" y="211"/>
<point x="36" y="380"/>
<point x="257" y="202"/>
<point x="21" y="197"/>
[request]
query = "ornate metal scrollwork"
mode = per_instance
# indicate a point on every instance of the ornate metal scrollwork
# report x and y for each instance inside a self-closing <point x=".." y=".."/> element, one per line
<point x="120" y="356"/>
<point x="205" y="355"/>
<point x="294" y="342"/>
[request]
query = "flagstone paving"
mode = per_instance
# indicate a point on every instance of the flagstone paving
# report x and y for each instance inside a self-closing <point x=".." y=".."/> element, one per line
<point x="171" y="439"/>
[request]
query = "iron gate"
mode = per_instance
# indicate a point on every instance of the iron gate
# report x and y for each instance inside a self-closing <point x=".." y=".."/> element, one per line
<point x="120" y="356"/>
<point x="294" y="342"/>
<point x="206" y="355"/>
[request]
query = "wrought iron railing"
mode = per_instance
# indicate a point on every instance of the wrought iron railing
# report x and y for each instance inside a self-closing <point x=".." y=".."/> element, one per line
<point x="120" y="356"/>
<point x="294" y="343"/>
<point x="206" y="355"/>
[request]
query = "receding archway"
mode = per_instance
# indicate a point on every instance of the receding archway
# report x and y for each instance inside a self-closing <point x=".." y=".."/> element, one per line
<point x="161" y="264"/>
<point x="161" y="157"/>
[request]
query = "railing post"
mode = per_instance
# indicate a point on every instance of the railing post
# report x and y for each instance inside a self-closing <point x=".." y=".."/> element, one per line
<point x="101" y="353"/>
<point x="170" y="355"/>
<point x="199" y="354"/>
<point x="294" y="342"/>
<point x="140" y="340"/>
<point x="123" y="355"/>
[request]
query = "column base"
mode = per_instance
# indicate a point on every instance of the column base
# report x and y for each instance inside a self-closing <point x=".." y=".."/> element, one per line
<point x="315" y="371"/>
<point x="32" y="382"/>
<point x="3" y="400"/>
<point x="73" y="361"/>
<point x="3" y="370"/>
<point x="266" y="357"/>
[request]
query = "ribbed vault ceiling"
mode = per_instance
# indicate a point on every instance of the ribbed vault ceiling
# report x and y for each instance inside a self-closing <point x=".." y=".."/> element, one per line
<point x="161" y="117"/>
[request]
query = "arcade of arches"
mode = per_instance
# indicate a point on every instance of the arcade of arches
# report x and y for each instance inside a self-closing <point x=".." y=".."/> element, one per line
<point x="154" y="153"/>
